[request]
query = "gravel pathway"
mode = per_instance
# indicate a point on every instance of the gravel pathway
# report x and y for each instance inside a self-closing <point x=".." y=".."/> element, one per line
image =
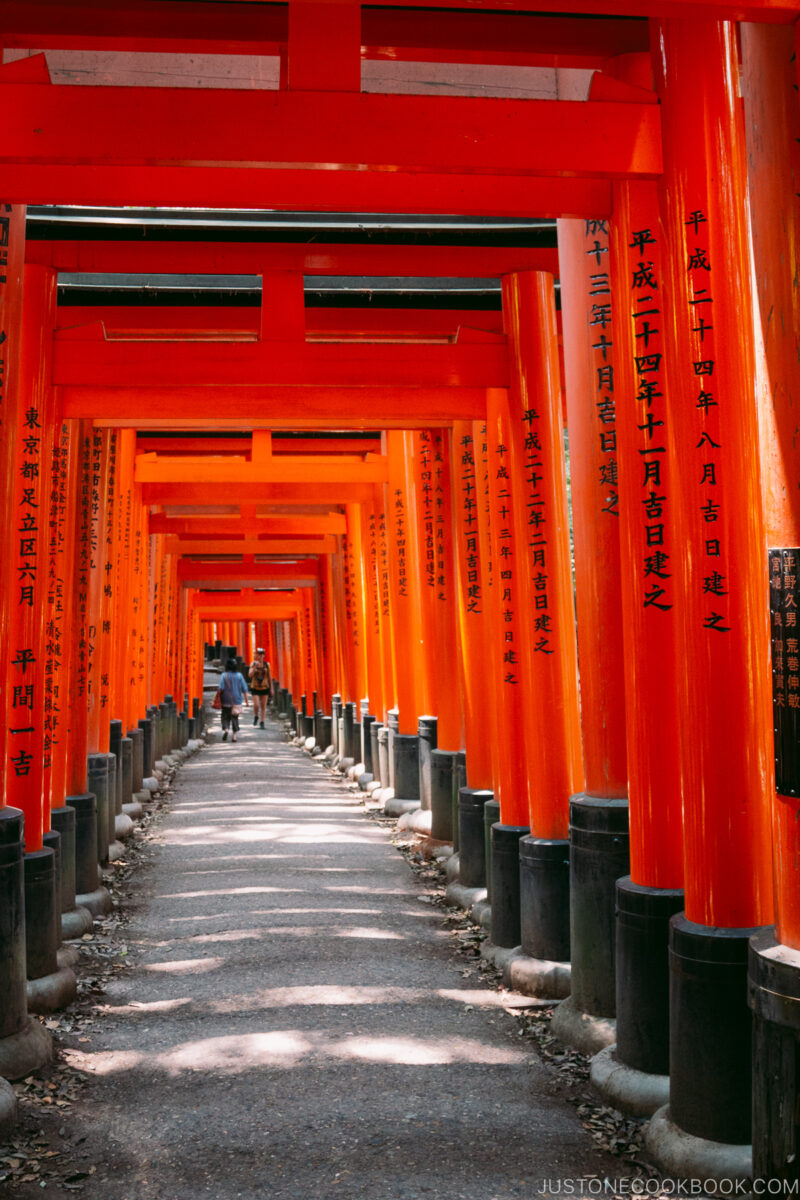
<point x="295" y="1022"/>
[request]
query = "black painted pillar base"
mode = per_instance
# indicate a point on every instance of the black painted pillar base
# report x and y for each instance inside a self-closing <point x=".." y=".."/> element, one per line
<point x="393" y="725"/>
<point x="14" y="1008"/>
<point x="405" y="755"/>
<point x="491" y="816"/>
<point x="505" y="898"/>
<point x="325" y="731"/>
<point x="599" y="856"/>
<point x="427" y="734"/>
<point x="642" y="955"/>
<point x="115" y="748"/>
<point x="442" y="762"/>
<point x="98" y="784"/>
<point x="472" y="849"/>
<point x="42" y="933"/>
<point x="87" y="874"/>
<point x="367" y="721"/>
<point x="25" y="1044"/>
<point x="62" y="822"/>
<point x="375" y="750"/>
<point x="126" y="767"/>
<point x="146" y="726"/>
<point x="544" y="902"/>
<point x="349" y="732"/>
<point x="75" y="920"/>
<point x="774" y="973"/>
<point x="383" y="755"/>
<point x="49" y="986"/>
<point x="459" y="782"/>
<point x="710" y="1032"/>
<point x="137" y="759"/>
<point x="336" y="713"/>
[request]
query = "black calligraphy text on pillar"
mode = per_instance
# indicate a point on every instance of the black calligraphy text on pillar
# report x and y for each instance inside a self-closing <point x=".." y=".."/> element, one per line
<point x="648" y="361"/>
<point x="5" y="228"/>
<point x="84" y="563"/>
<point x="701" y="302"/>
<point x="440" y="534"/>
<point x="108" y="569"/>
<point x="54" y="627"/>
<point x="469" y="525"/>
<point x="488" y="576"/>
<point x="400" y="542"/>
<point x="505" y="564"/>
<point x="384" y="561"/>
<point x="785" y="639"/>
<point x="533" y="466"/>
<point x="374" y="590"/>
<point x="25" y="706"/>
<point x="426" y="490"/>
<point x="596" y="236"/>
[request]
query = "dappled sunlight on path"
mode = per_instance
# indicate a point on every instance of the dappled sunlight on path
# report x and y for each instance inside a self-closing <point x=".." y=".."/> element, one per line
<point x="292" y="1008"/>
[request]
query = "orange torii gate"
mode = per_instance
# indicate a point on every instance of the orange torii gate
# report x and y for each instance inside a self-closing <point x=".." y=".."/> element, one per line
<point x="672" y="221"/>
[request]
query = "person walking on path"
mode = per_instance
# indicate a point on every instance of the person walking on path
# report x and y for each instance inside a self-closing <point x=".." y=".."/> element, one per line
<point x="260" y="686"/>
<point x="233" y="694"/>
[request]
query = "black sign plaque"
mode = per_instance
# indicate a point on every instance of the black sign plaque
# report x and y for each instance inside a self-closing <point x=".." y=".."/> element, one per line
<point x="785" y="639"/>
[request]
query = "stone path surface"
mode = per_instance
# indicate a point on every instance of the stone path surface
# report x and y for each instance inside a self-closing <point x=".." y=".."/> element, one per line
<point x="295" y="1023"/>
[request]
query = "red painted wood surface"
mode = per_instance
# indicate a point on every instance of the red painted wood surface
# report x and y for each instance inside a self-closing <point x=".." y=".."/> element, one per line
<point x="724" y="698"/>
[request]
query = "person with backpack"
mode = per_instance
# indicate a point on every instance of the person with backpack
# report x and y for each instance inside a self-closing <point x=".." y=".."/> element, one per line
<point x="233" y="694"/>
<point x="260" y="686"/>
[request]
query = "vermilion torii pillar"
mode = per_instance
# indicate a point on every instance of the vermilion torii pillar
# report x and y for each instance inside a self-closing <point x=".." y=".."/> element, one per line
<point x="548" y="656"/>
<point x="24" y="1043"/>
<point x="409" y="658"/>
<point x="724" y="686"/>
<point x="441" y="722"/>
<point x="473" y="602"/>
<point x="598" y="815"/>
<point x="772" y="117"/>
<point x="28" y="780"/>
<point x="652" y="602"/>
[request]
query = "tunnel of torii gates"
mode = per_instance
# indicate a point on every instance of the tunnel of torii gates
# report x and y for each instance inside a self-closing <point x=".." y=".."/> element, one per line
<point x="368" y="478"/>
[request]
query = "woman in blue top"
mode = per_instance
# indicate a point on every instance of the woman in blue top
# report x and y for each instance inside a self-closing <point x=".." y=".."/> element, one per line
<point x="232" y="691"/>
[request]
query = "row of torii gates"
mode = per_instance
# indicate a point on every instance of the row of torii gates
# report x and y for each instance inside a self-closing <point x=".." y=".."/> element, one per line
<point x="376" y="490"/>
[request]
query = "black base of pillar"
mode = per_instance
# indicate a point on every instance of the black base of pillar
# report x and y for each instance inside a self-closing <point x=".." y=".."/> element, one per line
<point x="98" y="784"/>
<point x="598" y="834"/>
<point x="374" y="748"/>
<point x="126" y="766"/>
<point x="148" y="738"/>
<point x="442" y="795"/>
<point x="325" y="730"/>
<point x="472" y="849"/>
<point x="14" y="1008"/>
<point x="393" y="725"/>
<point x="62" y="820"/>
<point x="336" y="713"/>
<point x="459" y="782"/>
<point x="367" y="721"/>
<point x="505" y="929"/>
<point x="774" y="972"/>
<point x="405" y="755"/>
<point x="643" y="917"/>
<point x="350" y="748"/>
<point x="383" y="755"/>
<point x="42" y="913"/>
<point x="710" y="1031"/>
<point x="427" y="734"/>
<point x="137" y="758"/>
<point x="87" y="876"/>
<point x="544" y="898"/>
<point x="491" y="816"/>
<point x="115" y="748"/>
